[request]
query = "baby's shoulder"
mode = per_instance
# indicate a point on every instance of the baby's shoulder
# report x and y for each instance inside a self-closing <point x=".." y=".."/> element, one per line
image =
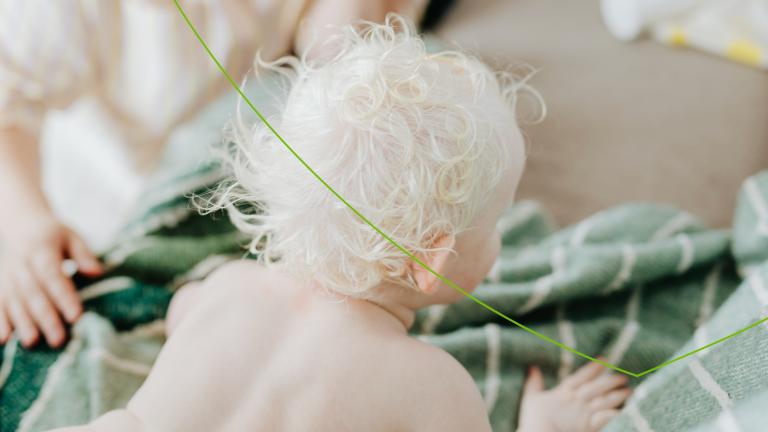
<point x="246" y="285"/>
<point x="237" y="269"/>
<point x="245" y="274"/>
<point x="445" y="396"/>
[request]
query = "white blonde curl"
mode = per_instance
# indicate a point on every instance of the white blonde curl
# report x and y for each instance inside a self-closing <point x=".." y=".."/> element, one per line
<point x="416" y="142"/>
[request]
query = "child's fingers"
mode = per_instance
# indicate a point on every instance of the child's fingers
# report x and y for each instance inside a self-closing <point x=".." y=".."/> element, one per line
<point x="601" y="418"/>
<point x="5" y="324"/>
<point x="87" y="263"/>
<point x="600" y="385"/>
<point x="25" y="328"/>
<point x="6" y="329"/>
<point x="534" y="382"/>
<point x="586" y="373"/>
<point x="612" y="399"/>
<point x="39" y="307"/>
<point x="58" y="287"/>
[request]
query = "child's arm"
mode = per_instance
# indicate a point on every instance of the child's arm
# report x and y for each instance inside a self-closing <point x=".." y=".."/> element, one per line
<point x="325" y="17"/>
<point x="33" y="287"/>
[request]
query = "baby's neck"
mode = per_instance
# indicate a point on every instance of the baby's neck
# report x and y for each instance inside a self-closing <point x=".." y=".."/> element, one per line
<point x="391" y="311"/>
<point x="402" y="314"/>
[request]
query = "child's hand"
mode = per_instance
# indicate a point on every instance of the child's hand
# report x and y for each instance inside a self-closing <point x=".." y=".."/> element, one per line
<point x="583" y="402"/>
<point x="34" y="290"/>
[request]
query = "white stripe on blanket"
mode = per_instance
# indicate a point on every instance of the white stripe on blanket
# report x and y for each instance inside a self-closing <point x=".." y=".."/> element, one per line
<point x="581" y="232"/>
<point x="638" y="421"/>
<point x="726" y="422"/>
<point x="630" y="329"/>
<point x="154" y="328"/>
<point x="701" y="335"/>
<point x="673" y="226"/>
<point x="759" y="288"/>
<point x="708" y="298"/>
<point x="543" y="285"/>
<point x="9" y="353"/>
<point x="121" y="364"/>
<point x="628" y="259"/>
<point x="757" y="199"/>
<point x="494" y="275"/>
<point x="686" y="253"/>
<point x="709" y="384"/>
<point x="565" y="330"/>
<point x="118" y="255"/>
<point x="55" y="373"/>
<point x="492" y="377"/>
<point x="104" y="287"/>
<point x="432" y="320"/>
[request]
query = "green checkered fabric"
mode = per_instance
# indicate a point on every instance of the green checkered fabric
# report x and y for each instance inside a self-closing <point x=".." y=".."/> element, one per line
<point x="638" y="284"/>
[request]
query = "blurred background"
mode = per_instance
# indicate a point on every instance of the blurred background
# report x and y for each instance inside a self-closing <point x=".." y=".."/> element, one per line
<point x="637" y="121"/>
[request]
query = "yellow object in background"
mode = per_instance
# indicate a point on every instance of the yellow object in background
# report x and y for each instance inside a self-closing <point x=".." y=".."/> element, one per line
<point x="746" y="52"/>
<point x="677" y="38"/>
<point x="734" y="29"/>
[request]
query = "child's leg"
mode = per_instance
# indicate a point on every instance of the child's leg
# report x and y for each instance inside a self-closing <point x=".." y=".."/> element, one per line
<point x="113" y="421"/>
<point x="583" y="402"/>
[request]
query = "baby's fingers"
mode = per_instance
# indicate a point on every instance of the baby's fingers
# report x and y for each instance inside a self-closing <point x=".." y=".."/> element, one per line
<point x="534" y="383"/>
<point x="612" y="399"/>
<point x="586" y="373"/>
<point x="601" y="418"/>
<point x="600" y="385"/>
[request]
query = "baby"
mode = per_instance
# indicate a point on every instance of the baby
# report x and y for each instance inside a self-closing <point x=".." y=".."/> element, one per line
<point x="313" y="336"/>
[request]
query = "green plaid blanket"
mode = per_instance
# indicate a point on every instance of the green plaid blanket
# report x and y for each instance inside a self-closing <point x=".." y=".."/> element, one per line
<point x="638" y="284"/>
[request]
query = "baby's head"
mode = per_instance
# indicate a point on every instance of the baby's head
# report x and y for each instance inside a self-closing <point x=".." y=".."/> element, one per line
<point x="425" y="146"/>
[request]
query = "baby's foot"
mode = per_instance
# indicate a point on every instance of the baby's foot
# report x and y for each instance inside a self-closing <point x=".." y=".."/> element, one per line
<point x="583" y="402"/>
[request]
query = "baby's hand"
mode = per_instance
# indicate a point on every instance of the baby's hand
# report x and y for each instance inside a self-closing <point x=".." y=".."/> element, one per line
<point x="583" y="402"/>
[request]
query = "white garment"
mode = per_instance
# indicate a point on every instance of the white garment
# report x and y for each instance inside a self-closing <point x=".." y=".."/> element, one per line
<point x="118" y="77"/>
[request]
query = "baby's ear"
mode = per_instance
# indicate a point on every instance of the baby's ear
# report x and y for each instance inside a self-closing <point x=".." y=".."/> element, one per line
<point x="425" y="280"/>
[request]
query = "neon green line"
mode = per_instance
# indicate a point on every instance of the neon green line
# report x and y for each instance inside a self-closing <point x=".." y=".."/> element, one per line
<point x="447" y="281"/>
<point x="724" y="338"/>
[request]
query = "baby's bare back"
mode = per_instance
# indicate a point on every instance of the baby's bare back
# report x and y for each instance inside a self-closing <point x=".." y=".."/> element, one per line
<point x="257" y="352"/>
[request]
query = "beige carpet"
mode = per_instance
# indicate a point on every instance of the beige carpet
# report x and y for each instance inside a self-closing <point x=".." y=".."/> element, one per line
<point x="626" y="122"/>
